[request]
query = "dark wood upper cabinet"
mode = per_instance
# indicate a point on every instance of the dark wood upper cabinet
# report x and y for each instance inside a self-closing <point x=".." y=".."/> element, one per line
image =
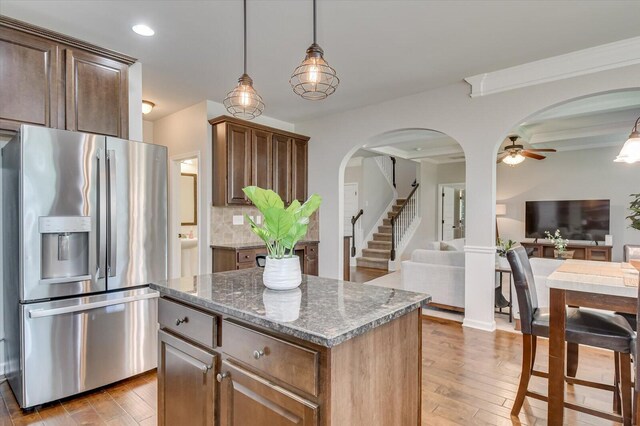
<point x="97" y="94"/>
<point x="299" y="170"/>
<point x="282" y="166"/>
<point x="261" y="159"/>
<point x="29" y="73"/>
<point x="53" y="80"/>
<point x="251" y="154"/>
<point x="239" y="163"/>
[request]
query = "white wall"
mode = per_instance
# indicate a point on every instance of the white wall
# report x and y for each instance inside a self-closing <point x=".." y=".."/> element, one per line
<point x="406" y="172"/>
<point x="376" y="194"/>
<point x="478" y="124"/>
<point x="570" y="175"/>
<point x="147" y="131"/>
<point x="188" y="132"/>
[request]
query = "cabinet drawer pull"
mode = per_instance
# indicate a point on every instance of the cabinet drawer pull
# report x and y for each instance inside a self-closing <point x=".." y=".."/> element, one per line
<point x="257" y="354"/>
<point x="181" y="321"/>
<point x="206" y="368"/>
<point x="221" y="376"/>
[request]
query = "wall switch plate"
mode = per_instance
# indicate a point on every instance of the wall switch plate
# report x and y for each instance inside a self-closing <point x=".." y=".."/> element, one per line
<point x="238" y="219"/>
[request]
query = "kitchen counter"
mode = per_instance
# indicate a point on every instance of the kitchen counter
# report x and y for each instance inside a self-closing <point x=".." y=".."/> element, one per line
<point x="328" y="353"/>
<point x="252" y="245"/>
<point x="323" y="311"/>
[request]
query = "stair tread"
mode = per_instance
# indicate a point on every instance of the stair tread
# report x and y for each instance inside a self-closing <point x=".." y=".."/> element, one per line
<point x="377" y="250"/>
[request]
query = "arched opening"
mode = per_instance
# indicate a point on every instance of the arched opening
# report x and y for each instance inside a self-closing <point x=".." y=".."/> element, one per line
<point x="404" y="190"/>
<point x="563" y="178"/>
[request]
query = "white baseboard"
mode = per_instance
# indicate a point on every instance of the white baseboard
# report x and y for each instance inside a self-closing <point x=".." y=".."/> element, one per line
<point x="480" y="325"/>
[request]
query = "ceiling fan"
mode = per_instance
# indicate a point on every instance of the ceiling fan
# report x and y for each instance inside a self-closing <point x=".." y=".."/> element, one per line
<point x="515" y="154"/>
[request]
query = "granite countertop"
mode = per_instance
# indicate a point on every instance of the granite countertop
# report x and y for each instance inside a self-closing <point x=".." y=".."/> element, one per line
<point x="322" y="311"/>
<point x="252" y="245"/>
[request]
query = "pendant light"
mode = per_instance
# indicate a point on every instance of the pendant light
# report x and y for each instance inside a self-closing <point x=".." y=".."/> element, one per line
<point x="243" y="101"/>
<point x="314" y="79"/>
<point x="630" y="152"/>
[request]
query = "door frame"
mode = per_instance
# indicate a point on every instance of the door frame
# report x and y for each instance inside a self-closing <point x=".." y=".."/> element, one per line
<point x="457" y="185"/>
<point x="174" y="211"/>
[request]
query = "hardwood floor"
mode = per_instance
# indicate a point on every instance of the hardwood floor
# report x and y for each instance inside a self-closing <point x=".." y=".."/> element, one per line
<point x="469" y="377"/>
<point x="130" y="402"/>
<point x="360" y="274"/>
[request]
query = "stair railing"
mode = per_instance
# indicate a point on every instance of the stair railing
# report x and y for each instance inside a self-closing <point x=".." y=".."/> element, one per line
<point x="354" y="219"/>
<point x="402" y="219"/>
<point x="393" y="166"/>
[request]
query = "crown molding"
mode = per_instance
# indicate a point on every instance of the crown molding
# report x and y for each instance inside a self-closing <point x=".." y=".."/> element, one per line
<point x="581" y="62"/>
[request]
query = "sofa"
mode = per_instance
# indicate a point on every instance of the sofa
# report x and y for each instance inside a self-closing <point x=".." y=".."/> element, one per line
<point x="438" y="271"/>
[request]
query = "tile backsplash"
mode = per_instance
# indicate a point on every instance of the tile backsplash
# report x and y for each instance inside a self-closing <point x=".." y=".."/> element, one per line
<point x="223" y="230"/>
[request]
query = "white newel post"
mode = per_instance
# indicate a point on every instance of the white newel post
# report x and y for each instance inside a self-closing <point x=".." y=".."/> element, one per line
<point x="480" y="240"/>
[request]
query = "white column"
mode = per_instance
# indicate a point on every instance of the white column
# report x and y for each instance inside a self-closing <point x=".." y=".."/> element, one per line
<point x="480" y="239"/>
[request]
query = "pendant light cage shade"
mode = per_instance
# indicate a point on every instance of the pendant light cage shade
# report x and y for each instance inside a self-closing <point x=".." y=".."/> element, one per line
<point x="243" y="101"/>
<point x="314" y="79"/>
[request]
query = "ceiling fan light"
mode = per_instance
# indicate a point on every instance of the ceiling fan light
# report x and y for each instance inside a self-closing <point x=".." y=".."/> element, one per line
<point x="630" y="152"/>
<point x="513" y="159"/>
<point x="243" y="101"/>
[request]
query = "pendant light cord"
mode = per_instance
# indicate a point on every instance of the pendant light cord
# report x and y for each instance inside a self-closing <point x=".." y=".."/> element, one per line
<point x="244" y="11"/>
<point x="314" y="21"/>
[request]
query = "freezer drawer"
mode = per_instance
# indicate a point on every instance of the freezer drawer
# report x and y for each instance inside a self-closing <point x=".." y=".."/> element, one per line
<point x="75" y="345"/>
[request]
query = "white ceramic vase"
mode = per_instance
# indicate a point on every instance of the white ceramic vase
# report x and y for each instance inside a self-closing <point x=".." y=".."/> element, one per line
<point x="282" y="274"/>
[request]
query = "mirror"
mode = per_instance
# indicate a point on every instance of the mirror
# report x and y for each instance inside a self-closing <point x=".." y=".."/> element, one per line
<point x="188" y="199"/>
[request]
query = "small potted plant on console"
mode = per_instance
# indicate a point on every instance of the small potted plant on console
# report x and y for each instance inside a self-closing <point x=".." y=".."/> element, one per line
<point x="560" y="244"/>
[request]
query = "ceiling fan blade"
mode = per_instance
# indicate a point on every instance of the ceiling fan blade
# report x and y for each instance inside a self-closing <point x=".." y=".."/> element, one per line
<point x="532" y="155"/>
<point x="541" y="150"/>
<point x="502" y="156"/>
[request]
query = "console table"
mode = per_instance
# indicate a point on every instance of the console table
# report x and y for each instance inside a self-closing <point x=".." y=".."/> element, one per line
<point x="581" y="251"/>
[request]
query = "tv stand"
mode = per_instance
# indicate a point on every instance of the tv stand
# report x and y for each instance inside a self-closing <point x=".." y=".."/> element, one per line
<point x="581" y="251"/>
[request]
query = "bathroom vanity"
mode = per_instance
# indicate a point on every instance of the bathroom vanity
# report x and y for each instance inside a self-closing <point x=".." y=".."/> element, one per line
<point x="232" y="352"/>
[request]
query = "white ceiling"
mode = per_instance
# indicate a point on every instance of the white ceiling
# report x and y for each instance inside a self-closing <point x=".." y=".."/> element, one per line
<point x="417" y="144"/>
<point x="381" y="49"/>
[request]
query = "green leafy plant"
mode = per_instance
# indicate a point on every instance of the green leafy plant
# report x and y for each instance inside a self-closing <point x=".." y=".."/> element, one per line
<point x="283" y="227"/>
<point x="504" y="246"/>
<point x="634" y="207"/>
<point x="557" y="240"/>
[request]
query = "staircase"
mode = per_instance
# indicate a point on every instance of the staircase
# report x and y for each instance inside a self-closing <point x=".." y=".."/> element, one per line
<point x="378" y="251"/>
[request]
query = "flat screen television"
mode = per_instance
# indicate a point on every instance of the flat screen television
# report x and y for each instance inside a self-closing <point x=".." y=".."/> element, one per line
<point x="576" y="219"/>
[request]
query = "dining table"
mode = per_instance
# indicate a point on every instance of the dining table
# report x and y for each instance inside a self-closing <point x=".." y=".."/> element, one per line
<point x="609" y="286"/>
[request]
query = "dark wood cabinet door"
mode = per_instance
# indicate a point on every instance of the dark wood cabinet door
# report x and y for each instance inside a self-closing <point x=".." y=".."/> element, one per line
<point x="282" y="167"/>
<point x="248" y="399"/>
<point x="29" y="80"/>
<point x="238" y="163"/>
<point x="97" y="94"/>
<point x="261" y="159"/>
<point x="299" y="170"/>
<point x="311" y="259"/>
<point x="186" y="383"/>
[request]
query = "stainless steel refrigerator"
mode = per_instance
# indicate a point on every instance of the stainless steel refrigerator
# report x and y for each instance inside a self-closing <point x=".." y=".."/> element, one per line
<point x="84" y="233"/>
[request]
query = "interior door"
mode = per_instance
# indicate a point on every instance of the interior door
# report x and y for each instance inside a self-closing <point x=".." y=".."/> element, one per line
<point x="62" y="229"/>
<point x="448" y="213"/>
<point x="137" y="215"/>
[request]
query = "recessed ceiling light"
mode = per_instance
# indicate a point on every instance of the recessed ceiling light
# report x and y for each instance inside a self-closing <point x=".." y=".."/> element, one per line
<point x="143" y="30"/>
<point x="419" y="149"/>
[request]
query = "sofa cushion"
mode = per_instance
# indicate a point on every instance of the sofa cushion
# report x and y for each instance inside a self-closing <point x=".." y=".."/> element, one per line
<point x="437" y="257"/>
<point x="458" y="244"/>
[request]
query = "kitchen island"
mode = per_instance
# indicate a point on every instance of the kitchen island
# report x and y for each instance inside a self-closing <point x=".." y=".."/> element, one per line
<point x="232" y="352"/>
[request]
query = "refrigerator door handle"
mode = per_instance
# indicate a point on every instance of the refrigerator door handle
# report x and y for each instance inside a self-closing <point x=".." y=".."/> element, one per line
<point x="113" y="216"/>
<point x="102" y="215"/>
<point x="40" y="313"/>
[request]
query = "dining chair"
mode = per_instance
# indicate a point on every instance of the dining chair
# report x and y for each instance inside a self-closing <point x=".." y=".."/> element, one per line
<point x="583" y="327"/>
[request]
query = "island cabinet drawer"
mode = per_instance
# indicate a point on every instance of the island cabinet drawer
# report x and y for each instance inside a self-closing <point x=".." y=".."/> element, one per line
<point x="293" y="364"/>
<point x="196" y="325"/>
